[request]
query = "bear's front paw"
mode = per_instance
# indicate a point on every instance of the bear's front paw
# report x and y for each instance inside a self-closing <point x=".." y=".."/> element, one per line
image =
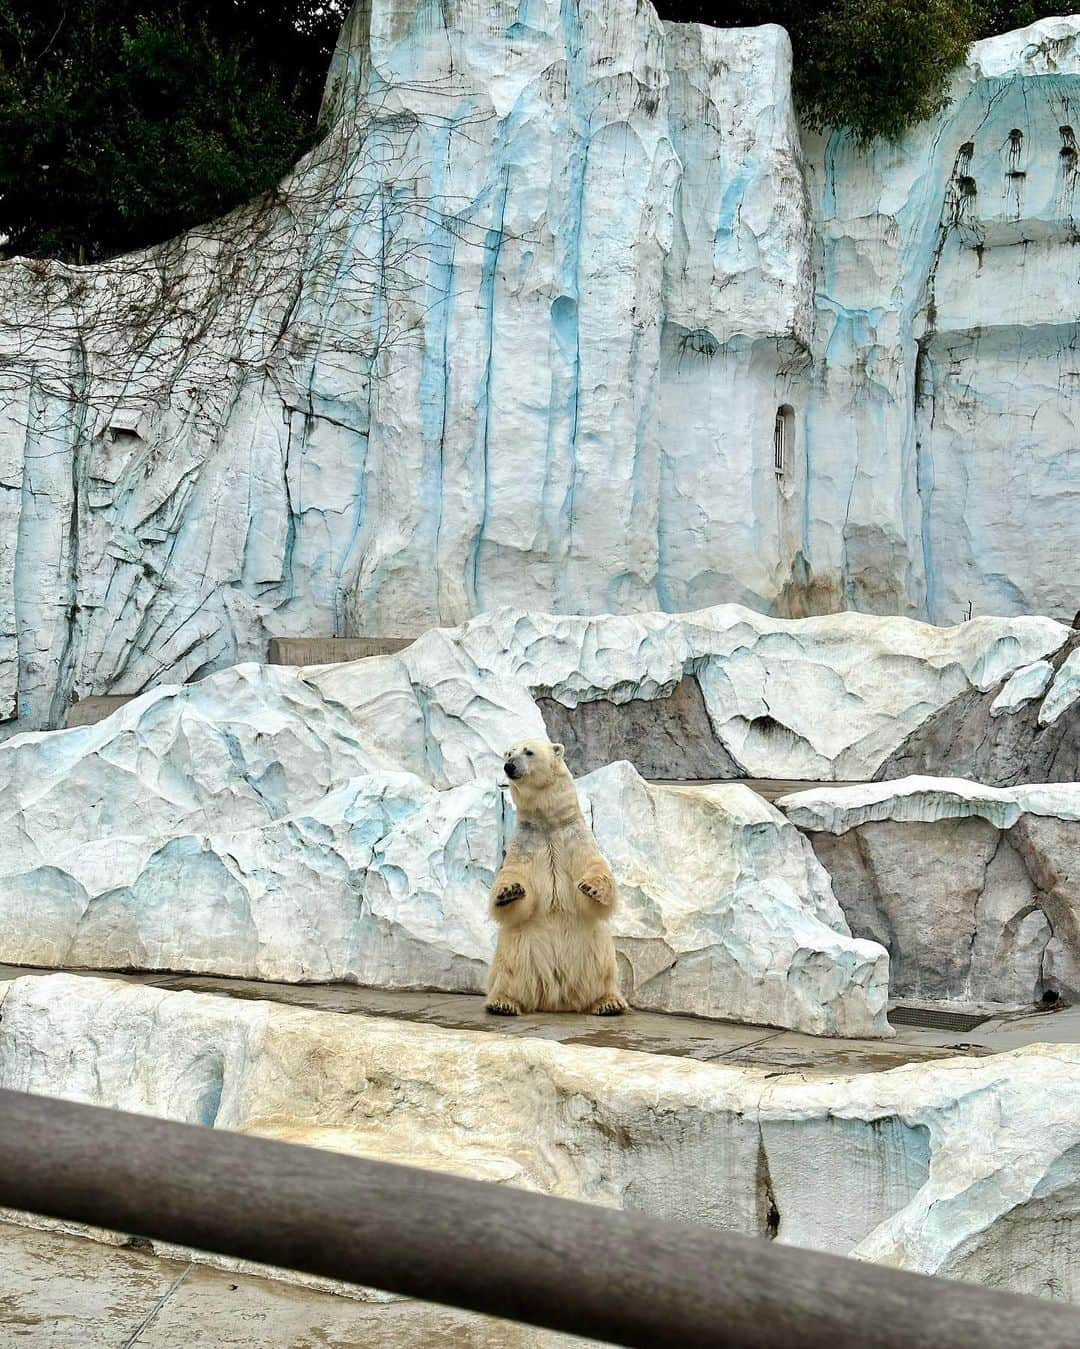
<point x="506" y="894"/>
<point x="611" y="1004"/>
<point x="502" y="1007"/>
<point x="596" y="888"/>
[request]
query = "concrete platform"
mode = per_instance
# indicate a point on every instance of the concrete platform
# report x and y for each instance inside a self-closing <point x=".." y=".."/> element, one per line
<point x="332" y="650"/>
<point x="643" y="1032"/>
<point x="770" y="788"/>
<point x="87" y="711"/>
<point x="59" y="1291"/>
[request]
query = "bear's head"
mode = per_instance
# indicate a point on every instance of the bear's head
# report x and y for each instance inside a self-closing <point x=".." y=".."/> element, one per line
<point x="534" y="764"/>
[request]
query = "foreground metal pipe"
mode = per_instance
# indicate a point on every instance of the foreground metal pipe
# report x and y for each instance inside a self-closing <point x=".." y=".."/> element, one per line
<point x="569" y="1266"/>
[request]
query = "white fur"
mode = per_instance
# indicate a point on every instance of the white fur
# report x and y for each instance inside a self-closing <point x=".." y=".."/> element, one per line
<point x="551" y="898"/>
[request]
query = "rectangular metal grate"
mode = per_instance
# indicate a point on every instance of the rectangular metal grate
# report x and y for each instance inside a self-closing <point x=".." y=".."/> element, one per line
<point x="933" y="1018"/>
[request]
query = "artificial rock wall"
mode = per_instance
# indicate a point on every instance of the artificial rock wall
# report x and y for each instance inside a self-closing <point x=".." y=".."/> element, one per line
<point x="345" y="822"/>
<point x="518" y="330"/>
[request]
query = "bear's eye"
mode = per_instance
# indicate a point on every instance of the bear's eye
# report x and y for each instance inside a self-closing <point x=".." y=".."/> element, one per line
<point x="528" y="754"/>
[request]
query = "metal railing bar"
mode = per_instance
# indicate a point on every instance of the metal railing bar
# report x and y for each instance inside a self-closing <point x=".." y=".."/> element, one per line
<point x="574" y="1267"/>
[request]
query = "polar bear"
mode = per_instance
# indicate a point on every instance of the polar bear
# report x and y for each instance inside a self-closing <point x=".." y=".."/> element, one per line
<point x="551" y="898"/>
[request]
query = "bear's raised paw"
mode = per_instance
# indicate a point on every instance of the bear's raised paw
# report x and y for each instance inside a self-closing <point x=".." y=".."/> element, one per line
<point x="596" y="888"/>
<point x="508" y="894"/>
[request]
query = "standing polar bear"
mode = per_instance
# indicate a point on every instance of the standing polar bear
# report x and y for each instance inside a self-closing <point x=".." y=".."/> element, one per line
<point x="551" y="898"/>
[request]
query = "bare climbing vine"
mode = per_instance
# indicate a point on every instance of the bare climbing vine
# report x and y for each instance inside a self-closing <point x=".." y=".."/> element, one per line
<point x="118" y="379"/>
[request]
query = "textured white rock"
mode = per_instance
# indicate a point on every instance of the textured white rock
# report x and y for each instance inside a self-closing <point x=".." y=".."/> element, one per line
<point x="828" y="697"/>
<point x="925" y="800"/>
<point x="819" y="698"/>
<point x="938" y="1167"/>
<point x="747" y="273"/>
<point x="996" y="738"/>
<point x="946" y="258"/>
<point x="1064" y="691"/>
<point x="1027" y="684"/>
<point x="726" y="912"/>
<point x="1044" y="48"/>
<point x="384" y="880"/>
<point x="342" y="822"/>
<point x="971" y="889"/>
<point x="517" y="332"/>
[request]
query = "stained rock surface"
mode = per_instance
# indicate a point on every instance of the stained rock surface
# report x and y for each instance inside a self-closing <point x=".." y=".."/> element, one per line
<point x="1025" y="730"/>
<point x="974" y="891"/>
<point x="958" y="1167"/>
<point x="828" y="698"/>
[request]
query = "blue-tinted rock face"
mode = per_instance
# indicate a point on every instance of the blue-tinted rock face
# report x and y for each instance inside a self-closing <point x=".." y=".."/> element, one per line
<point x="565" y="312"/>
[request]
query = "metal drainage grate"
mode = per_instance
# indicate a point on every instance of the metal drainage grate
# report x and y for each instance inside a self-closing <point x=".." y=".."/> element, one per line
<point x="932" y="1018"/>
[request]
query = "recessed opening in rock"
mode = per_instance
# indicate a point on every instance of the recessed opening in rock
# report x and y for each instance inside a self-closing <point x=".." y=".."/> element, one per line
<point x="783" y="440"/>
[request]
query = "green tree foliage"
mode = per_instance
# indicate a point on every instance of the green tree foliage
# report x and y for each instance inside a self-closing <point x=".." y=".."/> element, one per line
<point x="124" y="121"/>
<point x="873" y="66"/>
<point x="879" y="65"/>
<point x="999" y="16"/>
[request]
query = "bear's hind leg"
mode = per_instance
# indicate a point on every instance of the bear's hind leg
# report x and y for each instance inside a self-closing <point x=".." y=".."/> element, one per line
<point x="609" y="1004"/>
<point x="601" y="983"/>
<point x="500" y="998"/>
<point x="508" y="985"/>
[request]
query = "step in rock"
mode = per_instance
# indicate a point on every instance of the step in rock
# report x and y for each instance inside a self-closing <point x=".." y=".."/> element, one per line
<point x="296" y="651"/>
<point x="673" y="1035"/>
<point x="769" y="788"/>
<point x="87" y="711"/>
<point x="332" y="650"/>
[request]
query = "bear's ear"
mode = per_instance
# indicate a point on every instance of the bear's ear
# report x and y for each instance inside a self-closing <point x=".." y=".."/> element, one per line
<point x="559" y="750"/>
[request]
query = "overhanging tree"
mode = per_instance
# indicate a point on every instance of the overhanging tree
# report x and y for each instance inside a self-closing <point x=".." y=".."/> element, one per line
<point x="872" y="66"/>
<point x="122" y="122"/>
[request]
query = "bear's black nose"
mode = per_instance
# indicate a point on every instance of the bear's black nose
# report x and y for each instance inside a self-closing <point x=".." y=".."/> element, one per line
<point x="511" y="768"/>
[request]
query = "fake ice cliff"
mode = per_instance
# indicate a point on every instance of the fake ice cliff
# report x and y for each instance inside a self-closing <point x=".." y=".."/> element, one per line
<point x="565" y="312"/>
